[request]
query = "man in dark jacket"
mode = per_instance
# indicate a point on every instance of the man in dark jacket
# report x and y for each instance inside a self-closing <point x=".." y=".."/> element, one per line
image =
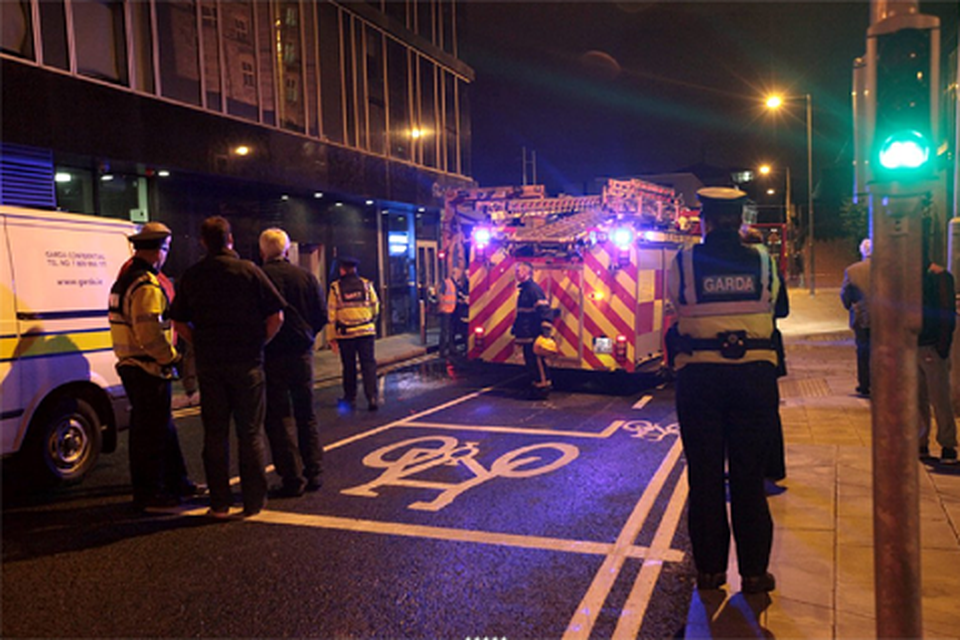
<point x="288" y="363"/>
<point x="228" y="309"/>
<point x="855" y="296"/>
<point x="533" y="319"/>
<point x="933" y="360"/>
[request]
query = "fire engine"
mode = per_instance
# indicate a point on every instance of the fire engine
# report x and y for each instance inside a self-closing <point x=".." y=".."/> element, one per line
<point x="601" y="260"/>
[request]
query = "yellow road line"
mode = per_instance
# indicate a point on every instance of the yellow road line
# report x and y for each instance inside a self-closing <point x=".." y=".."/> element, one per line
<point x="589" y="609"/>
<point x="635" y="608"/>
<point x="585" y="547"/>
<point x="606" y="433"/>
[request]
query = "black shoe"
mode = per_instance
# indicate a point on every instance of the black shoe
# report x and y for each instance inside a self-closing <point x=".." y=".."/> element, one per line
<point x="373" y="406"/>
<point x="159" y="503"/>
<point x="708" y="581"/>
<point x="190" y="490"/>
<point x="287" y="491"/>
<point x="314" y="484"/>
<point x="347" y="403"/>
<point x="249" y="512"/>
<point x="758" y="584"/>
<point x="948" y="455"/>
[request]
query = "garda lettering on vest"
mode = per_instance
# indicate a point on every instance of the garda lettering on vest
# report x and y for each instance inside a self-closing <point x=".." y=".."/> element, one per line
<point x="727" y="284"/>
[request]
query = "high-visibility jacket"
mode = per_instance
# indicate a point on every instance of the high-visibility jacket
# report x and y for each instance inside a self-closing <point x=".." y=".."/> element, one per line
<point x="448" y="297"/>
<point x="352" y="308"/>
<point x="139" y="329"/>
<point x="720" y="288"/>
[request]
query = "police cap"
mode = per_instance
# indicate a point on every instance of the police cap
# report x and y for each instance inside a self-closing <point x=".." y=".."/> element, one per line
<point x="348" y="261"/>
<point x="721" y="201"/>
<point x="150" y="236"/>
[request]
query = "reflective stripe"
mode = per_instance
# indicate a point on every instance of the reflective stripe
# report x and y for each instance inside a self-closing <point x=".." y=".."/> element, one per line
<point x="692" y="307"/>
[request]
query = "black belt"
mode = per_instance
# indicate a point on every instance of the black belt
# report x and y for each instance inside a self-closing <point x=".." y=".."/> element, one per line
<point x="732" y="344"/>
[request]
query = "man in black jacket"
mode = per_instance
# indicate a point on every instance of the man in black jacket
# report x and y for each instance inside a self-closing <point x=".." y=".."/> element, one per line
<point x="289" y="368"/>
<point x="533" y="319"/>
<point x="933" y="360"/>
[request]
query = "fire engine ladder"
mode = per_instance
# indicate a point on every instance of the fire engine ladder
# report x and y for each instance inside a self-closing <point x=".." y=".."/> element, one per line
<point x="563" y="231"/>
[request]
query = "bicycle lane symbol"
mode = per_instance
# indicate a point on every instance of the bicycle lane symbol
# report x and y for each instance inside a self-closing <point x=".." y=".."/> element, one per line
<point x="402" y="461"/>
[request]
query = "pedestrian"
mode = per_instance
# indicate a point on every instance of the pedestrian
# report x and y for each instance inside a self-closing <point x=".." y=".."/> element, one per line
<point x="352" y="310"/>
<point x="933" y="360"/>
<point x="147" y="360"/>
<point x="228" y="310"/>
<point x="289" y="367"/>
<point x="446" y="310"/>
<point x="533" y="319"/>
<point x="855" y="296"/>
<point x="725" y="293"/>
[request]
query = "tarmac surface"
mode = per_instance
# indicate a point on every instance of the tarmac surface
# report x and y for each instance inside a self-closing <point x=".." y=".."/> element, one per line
<point x="823" y="540"/>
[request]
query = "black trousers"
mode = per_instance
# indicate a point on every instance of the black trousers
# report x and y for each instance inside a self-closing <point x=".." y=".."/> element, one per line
<point x="728" y="416"/>
<point x="156" y="461"/>
<point x="297" y="458"/>
<point x="862" y="337"/>
<point x="351" y="350"/>
<point x="537" y="370"/>
<point x="234" y="391"/>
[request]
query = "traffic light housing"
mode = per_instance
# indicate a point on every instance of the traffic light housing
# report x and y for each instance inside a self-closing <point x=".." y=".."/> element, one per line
<point x="905" y="60"/>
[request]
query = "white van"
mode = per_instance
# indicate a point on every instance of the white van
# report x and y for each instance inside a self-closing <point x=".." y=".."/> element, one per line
<point x="62" y="400"/>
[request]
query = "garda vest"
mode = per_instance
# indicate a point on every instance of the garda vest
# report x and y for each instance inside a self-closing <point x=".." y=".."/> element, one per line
<point x="355" y="307"/>
<point x="140" y="334"/>
<point x="448" y="297"/>
<point x="725" y="308"/>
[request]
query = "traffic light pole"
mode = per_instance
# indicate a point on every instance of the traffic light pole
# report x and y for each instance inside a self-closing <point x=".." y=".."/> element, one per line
<point x="895" y="321"/>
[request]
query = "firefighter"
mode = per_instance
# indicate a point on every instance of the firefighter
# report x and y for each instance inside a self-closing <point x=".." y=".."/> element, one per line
<point x="352" y="309"/>
<point x="726" y="296"/>
<point x="446" y="307"/>
<point x="534" y="318"/>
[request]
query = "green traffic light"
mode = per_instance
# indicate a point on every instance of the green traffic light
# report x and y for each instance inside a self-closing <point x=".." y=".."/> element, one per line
<point x="904" y="150"/>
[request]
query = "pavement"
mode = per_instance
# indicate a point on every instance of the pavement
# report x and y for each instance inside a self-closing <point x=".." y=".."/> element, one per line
<point x="823" y="520"/>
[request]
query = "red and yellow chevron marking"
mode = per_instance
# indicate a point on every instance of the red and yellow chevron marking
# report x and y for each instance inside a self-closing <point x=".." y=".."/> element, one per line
<point x="607" y="294"/>
<point x="493" y="292"/>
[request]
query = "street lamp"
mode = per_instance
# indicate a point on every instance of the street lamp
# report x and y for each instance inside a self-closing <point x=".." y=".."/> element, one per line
<point x="775" y="102"/>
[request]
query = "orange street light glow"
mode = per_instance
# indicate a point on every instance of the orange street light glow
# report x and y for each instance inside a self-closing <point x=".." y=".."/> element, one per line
<point x="774" y="102"/>
<point x="765" y="169"/>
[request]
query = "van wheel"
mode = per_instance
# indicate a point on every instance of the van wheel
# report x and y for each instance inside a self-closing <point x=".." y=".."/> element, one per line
<point x="65" y="442"/>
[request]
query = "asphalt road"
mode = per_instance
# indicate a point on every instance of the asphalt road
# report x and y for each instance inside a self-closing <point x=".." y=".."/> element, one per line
<point x="459" y="510"/>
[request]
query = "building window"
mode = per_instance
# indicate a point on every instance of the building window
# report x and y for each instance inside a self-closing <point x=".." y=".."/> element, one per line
<point x="267" y="47"/>
<point x="239" y="59"/>
<point x="450" y="123"/>
<point x="398" y="85"/>
<point x="429" y="132"/>
<point x="331" y="67"/>
<point x="290" y="66"/>
<point x="179" y="50"/>
<point x="211" y="54"/>
<point x="376" y="88"/>
<point x="53" y="33"/>
<point x="17" y="28"/>
<point x="249" y="74"/>
<point x="99" y="40"/>
<point x="142" y="27"/>
<point x="74" y="189"/>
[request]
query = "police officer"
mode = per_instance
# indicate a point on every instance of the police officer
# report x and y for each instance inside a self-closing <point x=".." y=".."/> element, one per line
<point x="726" y="297"/>
<point x="352" y="309"/>
<point x="533" y="318"/>
<point x="143" y="344"/>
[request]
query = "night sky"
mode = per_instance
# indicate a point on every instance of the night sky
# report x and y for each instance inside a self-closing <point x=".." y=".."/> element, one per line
<point x="603" y="89"/>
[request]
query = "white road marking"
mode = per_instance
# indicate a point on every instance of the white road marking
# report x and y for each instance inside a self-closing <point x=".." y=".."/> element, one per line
<point x="586" y="547"/>
<point x="589" y="609"/>
<point x="642" y="402"/>
<point x="606" y="433"/>
<point x="404" y="421"/>
<point x="635" y="608"/>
